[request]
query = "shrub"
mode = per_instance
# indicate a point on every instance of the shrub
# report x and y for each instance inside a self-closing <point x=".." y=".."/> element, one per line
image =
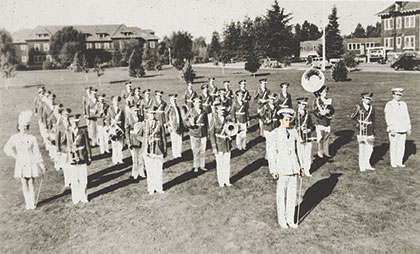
<point x="188" y="73"/>
<point x="252" y="65"/>
<point x="21" y="67"/>
<point x="47" y="65"/>
<point x="350" y="60"/>
<point x="340" y="71"/>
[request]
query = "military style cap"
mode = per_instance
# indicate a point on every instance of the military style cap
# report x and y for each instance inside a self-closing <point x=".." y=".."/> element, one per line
<point x="303" y="100"/>
<point x="272" y="96"/>
<point x="204" y="86"/>
<point x="212" y="79"/>
<point x="95" y="91"/>
<point x="284" y="84"/>
<point x="117" y="98"/>
<point x="102" y="97"/>
<point x="40" y="89"/>
<point x="66" y="111"/>
<point x="197" y="99"/>
<point x="264" y="80"/>
<point x="397" y="91"/>
<point x="226" y="82"/>
<point x="243" y="81"/>
<point x="286" y="112"/>
<point x="158" y="93"/>
<point x="74" y="118"/>
<point x="88" y="88"/>
<point x="173" y="96"/>
<point x="146" y="91"/>
<point x="367" y="96"/>
<point x="137" y="89"/>
<point x="128" y="83"/>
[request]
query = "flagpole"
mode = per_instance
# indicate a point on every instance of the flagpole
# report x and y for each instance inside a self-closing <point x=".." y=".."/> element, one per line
<point x="323" y="36"/>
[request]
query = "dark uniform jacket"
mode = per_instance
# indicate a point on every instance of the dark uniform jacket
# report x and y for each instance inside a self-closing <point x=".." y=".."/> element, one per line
<point x="78" y="147"/>
<point x="319" y="119"/>
<point x="174" y="119"/>
<point x="207" y="104"/>
<point x="116" y="117"/>
<point x="61" y="136"/>
<point x="213" y="92"/>
<point x="135" y="139"/>
<point x="102" y="113"/>
<point x="262" y="95"/>
<point x="285" y="102"/>
<point x="239" y="112"/>
<point x="92" y="110"/>
<point x="269" y="117"/>
<point x="304" y="125"/>
<point x="144" y="104"/>
<point x="198" y="124"/>
<point x="218" y="138"/>
<point x="364" y="118"/>
<point x="155" y="138"/>
<point x="160" y="108"/>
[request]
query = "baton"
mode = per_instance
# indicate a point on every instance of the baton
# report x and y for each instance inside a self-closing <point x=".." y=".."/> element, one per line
<point x="39" y="190"/>
<point x="300" y="193"/>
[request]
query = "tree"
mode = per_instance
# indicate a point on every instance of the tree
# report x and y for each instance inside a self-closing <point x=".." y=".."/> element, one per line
<point x="85" y="66"/>
<point x="247" y="39"/>
<point x="65" y="43"/>
<point x="340" y="71"/>
<point x="6" y="47"/>
<point x="8" y="69"/>
<point x="373" y="31"/>
<point x="252" y="65"/>
<point x="359" y="32"/>
<point x="77" y="66"/>
<point x="333" y="40"/>
<point x="277" y="33"/>
<point x="199" y="50"/>
<point x="232" y="40"/>
<point x="135" y="67"/>
<point x="150" y="60"/>
<point x="350" y="60"/>
<point x="214" y="47"/>
<point x="188" y="73"/>
<point x="181" y="48"/>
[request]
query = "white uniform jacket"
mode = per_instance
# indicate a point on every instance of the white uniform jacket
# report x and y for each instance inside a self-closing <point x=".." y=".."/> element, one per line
<point x="397" y="117"/>
<point x="285" y="159"/>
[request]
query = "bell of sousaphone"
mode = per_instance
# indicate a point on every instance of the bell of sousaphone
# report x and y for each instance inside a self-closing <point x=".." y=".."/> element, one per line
<point x="312" y="80"/>
<point x="231" y="129"/>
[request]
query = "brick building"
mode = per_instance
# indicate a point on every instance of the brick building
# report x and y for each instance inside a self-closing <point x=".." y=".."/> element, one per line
<point x="107" y="37"/>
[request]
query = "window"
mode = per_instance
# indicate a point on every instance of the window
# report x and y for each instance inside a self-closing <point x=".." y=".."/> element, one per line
<point x="409" y="21"/>
<point x="24" y="59"/>
<point x="357" y="45"/>
<point x="370" y="44"/>
<point x="88" y="45"/>
<point x="152" y="44"/>
<point x="46" y="47"/>
<point x="389" y="23"/>
<point x="399" y="40"/>
<point x="349" y="46"/>
<point x="106" y="45"/>
<point x="23" y="47"/>
<point x="398" y="20"/>
<point x="409" y="42"/>
<point x="37" y="47"/>
<point x="49" y="57"/>
<point x="121" y="45"/>
<point x="389" y="42"/>
<point x="97" y="45"/>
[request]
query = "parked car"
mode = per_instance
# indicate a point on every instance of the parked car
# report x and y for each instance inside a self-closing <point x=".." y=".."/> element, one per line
<point x="407" y="62"/>
<point x="317" y="63"/>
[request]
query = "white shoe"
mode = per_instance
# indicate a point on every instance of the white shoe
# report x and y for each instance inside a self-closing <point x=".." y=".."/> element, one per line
<point x="394" y="166"/>
<point x="401" y="166"/>
<point x="362" y="170"/>
<point x="195" y="170"/>
<point x="161" y="192"/>
<point x="84" y="201"/>
<point x="151" y="193"/>
<point x="283" y="225"/>
<point x="204" y="169"/>
<point x="228" y="184"/>
<point x="292" y="225"/>
<point x="370" y="168"/>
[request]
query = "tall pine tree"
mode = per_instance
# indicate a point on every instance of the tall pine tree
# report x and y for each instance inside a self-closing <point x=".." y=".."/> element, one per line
<point x="214" y="47"/>
<point x="333" y="40"/>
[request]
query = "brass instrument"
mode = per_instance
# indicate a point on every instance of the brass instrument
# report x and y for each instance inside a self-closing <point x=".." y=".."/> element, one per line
<point x="324" y="110"/>
<point x="150" y="140"/>
<point x="74" y="155"/>
<point x="312" y="80"/>
<point x="115" y="131"/>
<point x="230" y="129"/>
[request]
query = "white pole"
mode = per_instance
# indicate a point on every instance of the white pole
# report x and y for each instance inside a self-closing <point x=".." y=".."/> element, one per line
<point x="323" y="36"/>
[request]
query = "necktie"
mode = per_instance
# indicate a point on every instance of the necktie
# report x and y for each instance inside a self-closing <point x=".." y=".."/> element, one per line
<point x="288" y="133"/>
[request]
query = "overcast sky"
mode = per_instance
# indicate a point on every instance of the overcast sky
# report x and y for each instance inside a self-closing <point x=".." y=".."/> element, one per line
<point x="200" y="18"/>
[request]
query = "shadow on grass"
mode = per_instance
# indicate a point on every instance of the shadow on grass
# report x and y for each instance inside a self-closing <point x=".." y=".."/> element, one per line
<point x="45" y="201"/>
<point x="101" y="156"/>
<point x="315" y="194"/>
<point x="250" y="145"/>
<point x="114" y="186"/>
<point x="249" y="169"/>
<point x="379" y="153"/>
<point x="185" y="156"/>
<point x="410" y="148"/>
<point x="261" y="74"/>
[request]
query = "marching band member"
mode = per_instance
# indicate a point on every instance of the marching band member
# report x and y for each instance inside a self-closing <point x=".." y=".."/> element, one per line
<point x="323" y="112"/>
<point x="189" y="95"/>
<point x="79" y="157"/>
<point x="398" y="127"/>
<point x="115" y="123"/>
<point x="286" y="168"/>
<point x="155" y="151"/>
<point x="207" y="102"/>
<point x="363" y="116"/>
<point x="61" y="141"/>
<point x="269" y="117"/>
<point x="175" y="126"/>
<point x="23" y="147"/>
<point x="127" y="91"/>
<point x="222" y="145"/>
<point x="92" y="117"/>
<point x="224" y="100"/>
<point x="48" y="111"/>
<point x="304" y="126"/>
<point x="197" y="123"/>
<point x="261" y="97"/>
<point x="53" y="121"/>
<point x="38" y="107"/>
<point x="101" y="124"/>
<point x="246" y="94"/>
<point x="137" y="97"/>
<point x="240" y="117"/>
<point x="135" y="142"/>
<point x="145" y="103"/>
<point x="285" y="99"/>
<point x="161" y="106"/>
<point x="229" y="92"/>
<point x="212" y="89"/>
<point x="85" y="102"/>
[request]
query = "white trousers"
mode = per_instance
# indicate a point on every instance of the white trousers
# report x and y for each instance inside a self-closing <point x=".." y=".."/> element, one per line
<point x="260" y="124"/>
<point x="138" y="167"/>
<point x="305" y="155"/>
<point x="241" y="137"/>
<point x="117" y="154"/>
<point x="198" y="146"/>
<point x="154" y="168"/>
<point x="78" y="178"/>
<point x="286" y="199"/>
<point x="61" y="162"/>
<point x="103" y="139"/>
<point x="176" y="140"/>
<point x="223" y="168"/>
<point x="269" y="155"/>
<point x="28" y="192"/>
<point x="397" y="148"/>
<point x="92" y="131"/>
<point x="365" y="151"/>
<point x="322" y="138"/>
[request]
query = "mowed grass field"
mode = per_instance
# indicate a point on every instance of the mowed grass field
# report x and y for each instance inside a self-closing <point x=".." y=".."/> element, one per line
<point x="342" y="211"/>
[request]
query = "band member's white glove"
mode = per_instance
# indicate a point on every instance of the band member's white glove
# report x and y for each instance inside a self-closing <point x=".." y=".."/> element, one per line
<point x="275" y="176"/>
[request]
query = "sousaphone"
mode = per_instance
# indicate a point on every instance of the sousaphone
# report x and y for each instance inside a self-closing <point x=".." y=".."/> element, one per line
<point x="312" y="80"/>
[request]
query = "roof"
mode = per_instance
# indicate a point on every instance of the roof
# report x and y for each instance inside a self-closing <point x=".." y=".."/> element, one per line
<point x="404" y="8"/>
<point x="109" y="32"/>
<point x="363" y="40"/>
<point x="20" y="35"/>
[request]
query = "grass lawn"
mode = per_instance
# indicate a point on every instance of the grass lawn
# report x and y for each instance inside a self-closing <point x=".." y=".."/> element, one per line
<point x="345" y="211"/>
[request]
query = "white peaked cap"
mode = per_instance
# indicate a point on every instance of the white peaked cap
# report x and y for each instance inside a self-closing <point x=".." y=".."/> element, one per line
<point x="24" y="118"/>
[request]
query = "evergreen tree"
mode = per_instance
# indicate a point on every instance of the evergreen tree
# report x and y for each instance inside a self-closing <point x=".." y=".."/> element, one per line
<point x="252" y="65"/>
<point x="181" y="48"/>
<point x="214" y="48"/>
<point x="373" y="31"/>
<point x="65" y="43"/>
<point x="359" y="31"/>
<point x="333" y="40"/>
<point x="135" y="67"/>
<point x="231" y="40"/>
<point x="188" y="72"/>
<point x="339" y="72"/>
<point x="149" y="59"/>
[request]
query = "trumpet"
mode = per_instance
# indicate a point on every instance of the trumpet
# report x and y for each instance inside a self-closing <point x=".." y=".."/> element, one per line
<point x="230" y="129"/>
